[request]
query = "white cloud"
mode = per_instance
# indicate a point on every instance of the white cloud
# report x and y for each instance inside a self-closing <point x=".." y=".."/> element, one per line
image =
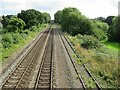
<point x="90" y="8"/>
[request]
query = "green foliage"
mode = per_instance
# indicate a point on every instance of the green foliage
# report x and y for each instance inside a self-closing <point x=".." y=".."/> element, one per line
<point x="33" y="28"/>
<point x="32" y="17"/>
<point x="109" y="19"/>
<point x="5" y="20"/>
<point x="15" y="25"/>
<point x="57" y="16"/>
<point x="102" y="19"/>
<point x="7" y="40"/>
<point x="99" y="30"/>
<point x="72" y="21"/>
<point x="12" y="42"/>
<point x="102" y="63"/>
<point x="46" y="17"/>
<point x="114" y="31"/>
<point x="88" y="41"/>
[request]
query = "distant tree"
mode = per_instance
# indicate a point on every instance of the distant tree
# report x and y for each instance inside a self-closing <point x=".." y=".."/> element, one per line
<point x="114" y="31"/>
<point x="46" y="17"/>
<point x="15" y="25"/>
<point x="5" y="20"/>
<point x="57" y="16"/>
<point x="109" y="19"/>
<point x="102" y="19"/>
<point x="31" y="17"/>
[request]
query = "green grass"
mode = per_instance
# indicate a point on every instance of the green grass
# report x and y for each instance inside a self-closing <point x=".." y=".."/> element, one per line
<point x="113" y="46"/>
<point x="5" y="53"/>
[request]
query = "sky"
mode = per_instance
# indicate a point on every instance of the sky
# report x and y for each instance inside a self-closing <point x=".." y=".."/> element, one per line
<point x="89" y="8"/>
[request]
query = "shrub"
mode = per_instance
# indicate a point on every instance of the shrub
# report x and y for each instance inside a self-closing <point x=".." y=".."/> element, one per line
<point x="7" y="40"/>
<point x="88" y="41"/>
<point x="33" y="28"/>
<point x="15" y="25"/>
<point x="16" y="37"/>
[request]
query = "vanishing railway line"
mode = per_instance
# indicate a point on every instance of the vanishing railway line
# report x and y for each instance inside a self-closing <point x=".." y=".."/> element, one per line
<point x="19" y="77"/>
<point x="44" y="77"/>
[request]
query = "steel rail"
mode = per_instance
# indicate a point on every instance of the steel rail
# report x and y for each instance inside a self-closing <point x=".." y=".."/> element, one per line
<point x="22" y="60"/>
<point x="80" y="78"/>
<point x="87" y="70"/>
<point x="43" y="62"/>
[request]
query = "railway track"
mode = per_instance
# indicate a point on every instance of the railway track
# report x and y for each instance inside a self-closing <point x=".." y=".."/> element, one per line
<point x="19" y="77"/>
<point x="44" y="77"/>
<point x="64" y="39"/>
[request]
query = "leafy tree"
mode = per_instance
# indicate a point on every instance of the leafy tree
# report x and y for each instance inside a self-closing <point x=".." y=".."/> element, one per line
<point x="114" y="31"/>
<point x="15" y="25"/>
<point x="5" y="20"/>
<point x="31" y="17"/>
<point x="57" y="16"/>
<point x="72" y="21"/>
<point x="102" y="19"/>
<point x="99" y="30"/>
<point x="46" y="17"/>
<point x="109" y="19"/>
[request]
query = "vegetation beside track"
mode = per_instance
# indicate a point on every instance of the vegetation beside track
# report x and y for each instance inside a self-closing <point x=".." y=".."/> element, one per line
<point x="91" y="38"/>
<point x="102" y="62"/>
<point x="16" y="41"/>
<point x="17" y="30"/>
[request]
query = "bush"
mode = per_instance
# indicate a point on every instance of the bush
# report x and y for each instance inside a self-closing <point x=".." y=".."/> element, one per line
<point x="7" y="40"/>
<point x="15" y="25"/>
<point x="26" y="31"/>
<point x="16" y="37"/>
<point x="33" y="28"/>
<point x="88" y="41"/>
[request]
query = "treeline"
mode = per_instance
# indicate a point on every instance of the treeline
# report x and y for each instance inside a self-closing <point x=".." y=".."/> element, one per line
<point x="73" y="22"/>
<point x="17" y="27"/>
<point x="24" y="20"/>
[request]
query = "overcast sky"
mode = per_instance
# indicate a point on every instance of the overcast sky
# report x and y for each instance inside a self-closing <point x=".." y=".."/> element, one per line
<point x="90" y="8"/>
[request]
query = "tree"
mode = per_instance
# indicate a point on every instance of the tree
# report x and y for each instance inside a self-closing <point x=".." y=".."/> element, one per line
<point x="72" y="21"/>
<point x="109" y="19"/>
<point x="5" y="20"/>
<point x="102" y="19"/>
<point x="99" y="30"/>
<point x="15" y="25"/>
<point x="46" y="17"/>
<point x="57" y="16"/>
<point x="114" y="31"/>
<point x="31" y="17"/>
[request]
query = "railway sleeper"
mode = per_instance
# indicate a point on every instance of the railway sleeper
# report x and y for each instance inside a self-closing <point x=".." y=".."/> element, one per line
<point x="44" y="84"/>
<point x="19" y="71"/>
<point x="17" y="74"/>
<point x="39" y="86"/>
<point x="45" y="68"/>
<point x="46" y="75"/>
<point x="45" y="78"/>
<point x="15" y="77"/>
<point x="9" y="86"/>
<point x="12" y="81"/>
<point x="48" y="83"/>
<point x="47" y="65"/>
